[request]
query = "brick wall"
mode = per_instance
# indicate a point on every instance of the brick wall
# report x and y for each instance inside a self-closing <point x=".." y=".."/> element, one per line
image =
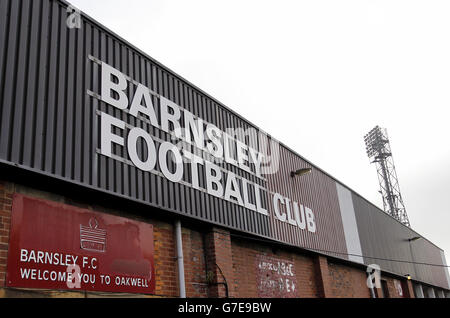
<point x="194" y="263"/>
<point x="166" y="264"/>
<point x="316" y="276"/>
<point x="246" y="276"/>
<point x="393" y="292"/>
<point x="210" y="257"/>
<point x="323" y="278"/>
<point x="164" y="251"/>
<point x="165" y="260"/>
<point x="219" y="263"/>
<point x="347" y="282"/>
<point x="244" y="283"/>
<point x="306" y="272"/>
<point x="6" y="193"/>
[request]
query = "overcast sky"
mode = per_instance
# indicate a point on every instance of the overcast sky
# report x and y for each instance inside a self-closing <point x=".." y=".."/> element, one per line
<point x="318" y="75"/>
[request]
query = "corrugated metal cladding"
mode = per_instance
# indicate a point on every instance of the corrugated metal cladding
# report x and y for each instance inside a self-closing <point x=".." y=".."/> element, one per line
<point x="50" y="82"/>
<point x="50" y="122"/>
<point x="315" y="191"/>
<point x="384" y="238"/>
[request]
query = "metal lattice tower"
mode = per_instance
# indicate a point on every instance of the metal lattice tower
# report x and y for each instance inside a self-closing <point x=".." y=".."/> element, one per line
<point x="379" y="149"/>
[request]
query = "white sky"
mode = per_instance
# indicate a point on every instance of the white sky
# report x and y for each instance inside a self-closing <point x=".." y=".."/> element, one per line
<point x="318" y="75"/>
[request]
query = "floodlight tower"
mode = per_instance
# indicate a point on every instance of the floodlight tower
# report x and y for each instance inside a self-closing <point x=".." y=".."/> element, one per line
<point x="379" y="149"/>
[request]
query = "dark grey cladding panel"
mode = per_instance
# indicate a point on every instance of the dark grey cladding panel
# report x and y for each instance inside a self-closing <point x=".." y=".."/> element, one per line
<point x="50" y="122"/>
<point x="385" y="239"/>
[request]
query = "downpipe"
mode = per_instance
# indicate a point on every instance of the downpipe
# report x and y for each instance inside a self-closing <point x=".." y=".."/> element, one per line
<point x="180" y="259"/>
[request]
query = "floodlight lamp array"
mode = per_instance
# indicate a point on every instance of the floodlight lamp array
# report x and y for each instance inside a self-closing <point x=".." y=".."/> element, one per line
<point x="374" y="141"/>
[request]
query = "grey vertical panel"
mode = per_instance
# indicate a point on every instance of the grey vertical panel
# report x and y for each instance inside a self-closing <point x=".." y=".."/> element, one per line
<point x="141" y="124"/>
<point x="50" y="118"/>
<point x="447" y="276"/>
<point x="349" y="222"/>
<point x="21" y="83"/>
<point x="121" y="63"/>
<point x="87" y="109"/>
<point x="381" y="239"/>
<point x="78" y="111"/>
<point x="42" y="89"/>
<point x="387" y="241"/>
<point x="146" y="181"/>
<point x="424" y="252"/>
<point x="95" y="105"/>
<point x="61" y="89"/>
<point x="430" y="292"/>
<point x="4" y="23"/>
<point x="69" y="116"/>
<point x="418" y="290"/>
<point x="102" y="161"/>
<point x="29" y="121"/>
<point x="9" y="73"/>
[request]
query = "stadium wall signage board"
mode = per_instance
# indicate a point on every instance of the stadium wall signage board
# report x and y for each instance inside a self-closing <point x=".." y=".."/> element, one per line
<point x="57" y="246"/>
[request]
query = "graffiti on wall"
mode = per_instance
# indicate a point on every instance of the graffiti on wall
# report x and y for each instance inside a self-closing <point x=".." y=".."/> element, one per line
<point x="275" y="277"/>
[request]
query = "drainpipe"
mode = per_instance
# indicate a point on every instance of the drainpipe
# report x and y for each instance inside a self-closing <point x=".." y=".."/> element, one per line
<point x="371" y="286"/>
<point x="372" y="292"/>
<point x="179" y="240"/>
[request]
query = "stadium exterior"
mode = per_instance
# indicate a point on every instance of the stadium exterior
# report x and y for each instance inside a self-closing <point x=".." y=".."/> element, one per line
<point x="119" y="177"/>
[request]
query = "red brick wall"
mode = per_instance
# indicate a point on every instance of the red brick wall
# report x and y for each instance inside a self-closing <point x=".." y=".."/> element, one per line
<point x="351" y="282"/>
<point x="347" y="282"/>
<point x="323" y="279"/>
<point x="245" y="282"/>
<point x="219" y="262"/>
<point x="306" y="271"/>
<point x="410" y="289"/>
<point x="315" y="276"/>
<point x="6" y="193"/>
<point x="165" y="260"/>
<point x="338" y="280"/>
<point x="393" y="292"/>
<point x="164" y="248"/>
<point x="166" y="264"/>
<point x="194" y="264"/>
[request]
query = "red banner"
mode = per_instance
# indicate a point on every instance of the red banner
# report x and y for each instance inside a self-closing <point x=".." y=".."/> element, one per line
<point x="57" y="246"/>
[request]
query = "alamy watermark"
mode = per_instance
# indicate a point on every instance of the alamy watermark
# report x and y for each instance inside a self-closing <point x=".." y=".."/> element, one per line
<point x="373" y="276"/>
<point x="74" y="18"/>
